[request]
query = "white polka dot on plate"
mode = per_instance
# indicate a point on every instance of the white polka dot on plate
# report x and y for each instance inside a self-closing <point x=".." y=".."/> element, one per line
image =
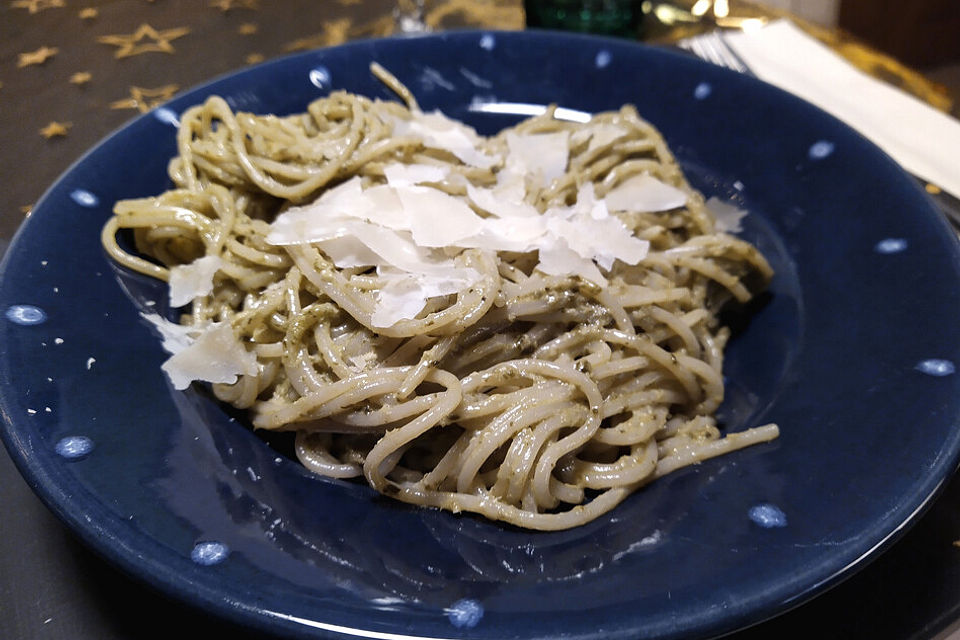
<point x="84" y="198"/>
<point x="25" y="314"/>
<point x="167" y="116"/>
<point x="702" y="91"/>
<point x="820" y="149"/>
<point x="74" y="447"/>
<point x="768" y="516"/>
<point x="936" y="367"/>
<point x="890" y="245"/>
<point x="488" y="42"/>
<point x="465" y="613"/>
<point x="209" y="553"/>
<point x="320" y="77"/>
<point x="603" y="59"/>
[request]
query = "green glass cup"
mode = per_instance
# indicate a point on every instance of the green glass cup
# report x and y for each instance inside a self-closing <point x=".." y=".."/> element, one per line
<point x="609" y="17"/>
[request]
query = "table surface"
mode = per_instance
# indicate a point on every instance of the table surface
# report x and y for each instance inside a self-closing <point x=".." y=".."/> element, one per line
<point x="66" y="82"/>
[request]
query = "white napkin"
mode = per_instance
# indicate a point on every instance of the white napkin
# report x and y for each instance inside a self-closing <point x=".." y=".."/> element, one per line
<point x="925" y="142"/>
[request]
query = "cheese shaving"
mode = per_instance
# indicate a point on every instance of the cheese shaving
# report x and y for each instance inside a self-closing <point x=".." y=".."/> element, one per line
<point x="437" y="131"/>
<point x="644" y="193"/>
<point x="504" y="201"/>
<point x="728" y="217"/>
<point x="437" y="219"/>
<point x="558" y="259"/>
<point x="175" y="337"/>
<point x="406" y="175"/>
<point x="403" y="296"/>
<point x="211" y="353"/>
<point x="399" y="225"/>
<point x="214" y="356"/>
<point x="189" y="281"/>
<point x="599" y="135"/>
<point x="542" y="157"/>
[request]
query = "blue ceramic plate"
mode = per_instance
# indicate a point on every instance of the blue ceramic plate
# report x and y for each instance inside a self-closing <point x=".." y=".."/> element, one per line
<point x="853" y="353"/>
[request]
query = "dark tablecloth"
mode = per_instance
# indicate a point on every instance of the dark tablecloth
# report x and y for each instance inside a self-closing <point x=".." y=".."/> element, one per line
<point x="71" y="72"/>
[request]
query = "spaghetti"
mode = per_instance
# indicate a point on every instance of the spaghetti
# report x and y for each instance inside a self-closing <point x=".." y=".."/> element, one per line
<point x="522" y="326"/>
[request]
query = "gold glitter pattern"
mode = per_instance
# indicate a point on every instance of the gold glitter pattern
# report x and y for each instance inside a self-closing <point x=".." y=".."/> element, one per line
<point x="55" y="129"/>
<point x="36" y="6"/>
<point x="143" y="99"/>
<point x="145" y="39"/>
<point x="81" y="77"/>
<point x="39" y="56"/>
<point x="229" y="5"/>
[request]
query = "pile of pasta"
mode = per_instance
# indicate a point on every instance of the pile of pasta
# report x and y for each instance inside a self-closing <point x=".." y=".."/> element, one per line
<point x="523" y="326"/>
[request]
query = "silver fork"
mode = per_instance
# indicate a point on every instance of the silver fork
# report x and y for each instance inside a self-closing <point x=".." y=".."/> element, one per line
<point x="713" y="47"/>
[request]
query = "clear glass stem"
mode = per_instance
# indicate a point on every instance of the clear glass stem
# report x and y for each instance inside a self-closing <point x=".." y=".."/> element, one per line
<point x="408" y="16"/>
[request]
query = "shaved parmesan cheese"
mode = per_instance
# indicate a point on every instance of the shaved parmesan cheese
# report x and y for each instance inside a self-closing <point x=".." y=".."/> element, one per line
<point x="727" y="216"/>
<point x="313" y="222"/>
<point x="404" y="296"/>
<point x="587" y="203"/>
<point x="601" y="240"/>
<point x="394" y="248"/>
<point x="511" y="186"/>
<point x="557" y="259"/>
<point x="381" y="205"/>
<point x="644" y="193"/>
<point x="193" y="280"/>
<point x="176" y="337"/>
<point x="344" y="193"/>
<point x="600" y="135"/>
<point x="502" y="202"/>
<point x="214" y="356"/>
<point x="411" y="232"/>
<point x="404" y="300"/>
<point x="542" y="156"/>
<point x="517" y="233"/>
<point x="437" y="131"/>
<point x="437" y="219"/>
<point x="406" y="175"/>
<point x="397" y="229"/>
<point x="347" y="252"/>
<point x="210" y="354"/>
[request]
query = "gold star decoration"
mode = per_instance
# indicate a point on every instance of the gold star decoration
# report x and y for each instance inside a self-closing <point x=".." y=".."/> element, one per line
<point x="334" y="32"/>
<point x="36" y="6"/>
<point x="127" y="45"/>
<point x="247" y="29"/>
<point x="145" y="99"/>
<point x="254" y="58"/>
<point x="506" y="15"/>
<point x="382" y="26"/>
<point x="39" y="56"/>
<point x="55" y="129"/>
<point x="81" y="78"/>
<point x="228" y="5"/>
<point x="88" y="13"/>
